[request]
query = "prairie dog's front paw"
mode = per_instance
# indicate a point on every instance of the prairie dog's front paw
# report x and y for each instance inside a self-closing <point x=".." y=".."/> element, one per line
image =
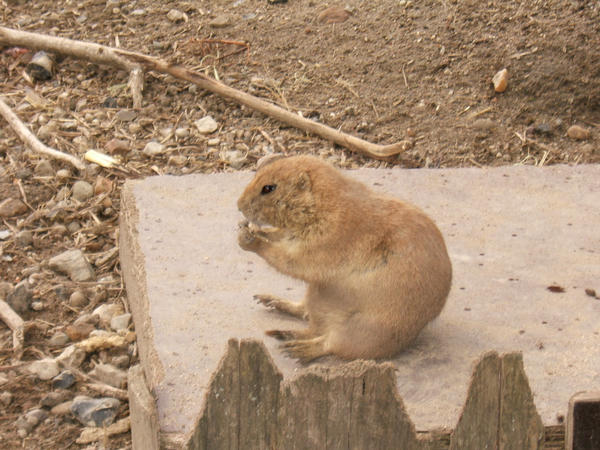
<point x="247" y="239"/>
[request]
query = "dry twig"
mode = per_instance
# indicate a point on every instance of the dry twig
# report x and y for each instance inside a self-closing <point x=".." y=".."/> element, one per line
<point x="16" y="324"/>
<point x="32" y="141"/>
<point x="128" y="60"/>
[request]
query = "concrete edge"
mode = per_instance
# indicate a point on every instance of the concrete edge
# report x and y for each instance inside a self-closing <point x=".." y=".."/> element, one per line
<point x="134" y="275"/>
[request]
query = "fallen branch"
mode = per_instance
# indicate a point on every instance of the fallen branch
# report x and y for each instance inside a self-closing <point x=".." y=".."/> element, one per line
<point x="93" y="434"/>
<point x="121" y="58"/>
<point x="16" y="324"/>
<point x="95" y="53"/>
<point x="29" y="138"/>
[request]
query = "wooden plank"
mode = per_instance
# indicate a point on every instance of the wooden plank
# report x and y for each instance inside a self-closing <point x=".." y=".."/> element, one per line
<point x="477" y="426"/>
<point x="259" y="396"/>
<point x="520" y="424"/>
<point x="142" y="407"/>
<point x="583" y="422"/>
<point x="218" y="426"/>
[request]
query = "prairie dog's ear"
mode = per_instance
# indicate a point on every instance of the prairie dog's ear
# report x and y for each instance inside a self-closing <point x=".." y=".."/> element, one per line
<point x="268" y="159"/>
<point x="303" y="181"/>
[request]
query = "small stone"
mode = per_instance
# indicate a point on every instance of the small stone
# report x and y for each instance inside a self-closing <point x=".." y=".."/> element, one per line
<point x="44" y="369"/>
<point x="234" y="158"/>
<point x="120" y="322"/>
<point x="52" y="399"/>
<point x="20" y="298"/>
<point x="106" y="312"/>
<point x="37" y="305"/>
<point x="12" y="207"/>
<point x="95" y="412"/>
<point x="63" y="380"/>
<point x="590" y="292"/>
<point x="206" y="125"/>
<point x="82" y="191"/>
<point x="135" y="128"/>
<point x="578" y="133"/>
<point x="334" y="14"/>
<point x="73" y="227"/>
<point x="87" y="318"/>
<point x="484" y="124"/>
<point x="500" y="80"/>
<point x="77" y="332"/>
<point x="110" y="375"/>
<point x="153" y="148"/>
<point x="58" y="339"/>
<point x="182" y="133"/>
<point x="24" y="238"/>
<point x="26" y="423"/>
<point x="3" y="379"/>
<point x="166" y="133"/>
<point x="121" y="361"/>
<point x="71" y="356"/>
<point x="220" y="21"/>
<point x="62" y="408"/>
<point x="62" y="174"/>
<point x="102" y="185"/>
<point x="177" y="160"/>
<point x="213" y="142"/>
<point x="126" y="115"/>
<point x="78" y="299"/>
<point x="177" y="16"/>
<point x="117" y="146"/>
<point x="5" y="289"/>
<point x="4" y="234"/>
<point x="6" y="398"/>
<point x="43" y="169"/>
<point x="138" y="12"/>
<point x="74" y="264"/>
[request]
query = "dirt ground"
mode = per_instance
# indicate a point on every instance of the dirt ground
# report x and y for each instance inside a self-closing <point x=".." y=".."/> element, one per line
<point x="393" y="70"/>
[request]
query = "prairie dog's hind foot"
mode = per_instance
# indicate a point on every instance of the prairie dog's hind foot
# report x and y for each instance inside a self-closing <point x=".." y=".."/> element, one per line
<point x="283" y="305"/>
<point x="287" y="335"/>
<point x="306" y="350"/>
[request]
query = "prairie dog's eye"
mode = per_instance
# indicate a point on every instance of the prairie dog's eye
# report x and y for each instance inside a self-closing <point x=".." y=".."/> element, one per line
<point x="267" y="189"/>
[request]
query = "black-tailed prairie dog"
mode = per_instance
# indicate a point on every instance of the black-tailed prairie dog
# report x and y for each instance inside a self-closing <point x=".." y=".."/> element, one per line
<point x="377" y="268"/>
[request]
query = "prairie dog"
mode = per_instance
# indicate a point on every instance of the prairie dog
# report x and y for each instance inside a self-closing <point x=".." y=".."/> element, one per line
<point x="377" y="268"/>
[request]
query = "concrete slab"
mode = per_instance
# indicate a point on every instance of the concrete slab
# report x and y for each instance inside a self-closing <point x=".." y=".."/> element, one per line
<point x="511" y="233"/>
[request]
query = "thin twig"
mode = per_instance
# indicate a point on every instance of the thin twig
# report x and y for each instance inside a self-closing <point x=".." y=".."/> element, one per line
<point x="16" y="324"/>
<point x="116" y="57"/>
<point x="29" y="138"/>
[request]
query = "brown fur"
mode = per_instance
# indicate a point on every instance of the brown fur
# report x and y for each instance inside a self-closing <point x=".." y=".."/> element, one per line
<point x="377" y="268"/>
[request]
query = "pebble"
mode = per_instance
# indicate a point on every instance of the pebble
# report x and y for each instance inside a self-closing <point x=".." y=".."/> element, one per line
<point x="3" y="379"/>
<point x="166" y="133"/>
<point x="106" y="312"/>
<point x="6" y="398"/>
<point x="44" y="369"/>
<point x="95" y="412"/>
<point x="500" y="80"/>
<point x="220" y="21"/>
<point x="87" y="318"/>
<point x="578" y="133"/>
<point x="26" y="423"/>
<point x="43" y="169"/>
<point x="121" y="361"/>
<point x="82" y="191"/>
<point x="234" y="158"/>
<point x="5" y="289"/>
<point x="58" y="339"/>
<point x="176" y="16"/>
<point x="334" y="14"/>
<point x="120" y="322"/>
<point x="110" y="102"/>
<point x="126" y="115"/>
<point x="73" y="227"/>
<point x="102" y="185"/>
<point x="37" y="305"/>
<point x="74" y="264"/>
<point x="135" y="128"/>
<point x="138" y="12"/>
<point x="153" y="148"/>
<point x="78" y="299"/>
<point x="63" y="380"/>
<point x="213" y="142"/>
<point x="4" y="234"/>
<point x="206" y="125"/>
<point x="484" y="124"/>
<point x="52" y="399"/>
<point x="20" y="297"/>
<point x="177" y="160"/>
<point x="109" y="374"/>
<point x="72" y="356"/>
<point x="24" y="238"/>
<point x="12" y="207"/>
<point x="62" y="408"/>
<point x="117" y="146"/>
<point x="77" y="332"/>
<point x="182" y="133"/>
